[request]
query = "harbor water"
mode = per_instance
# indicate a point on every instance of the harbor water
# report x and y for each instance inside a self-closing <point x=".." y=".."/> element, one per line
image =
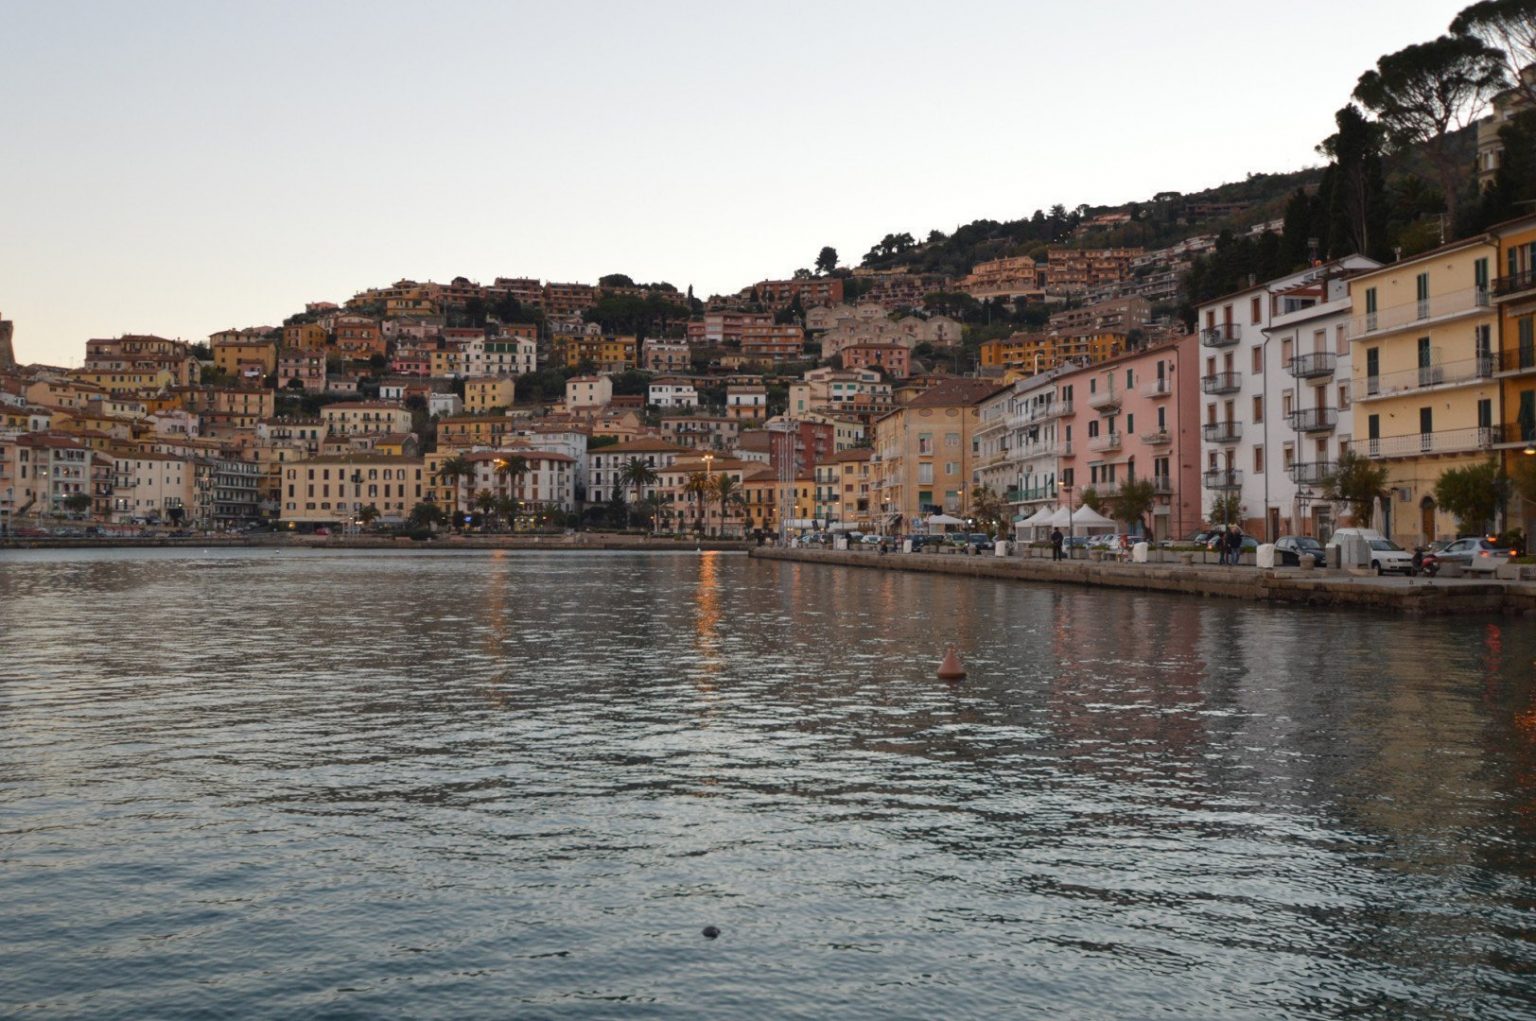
<point x="311" y="784"/>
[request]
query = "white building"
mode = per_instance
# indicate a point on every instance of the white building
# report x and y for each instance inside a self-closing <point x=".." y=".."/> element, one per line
<point x="500" y="356"/>
<point x="671" y="392"/>
<point x="1269" y="351"/>
<point x="588" y="392"/>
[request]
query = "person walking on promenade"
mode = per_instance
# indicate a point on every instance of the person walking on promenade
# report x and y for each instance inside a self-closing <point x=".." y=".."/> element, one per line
<point x="1234" y="545"/>
<point x="1055" y="544"/>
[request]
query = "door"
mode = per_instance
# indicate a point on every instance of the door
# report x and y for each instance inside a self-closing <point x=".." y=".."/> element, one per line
<point x="1427" y="520"/>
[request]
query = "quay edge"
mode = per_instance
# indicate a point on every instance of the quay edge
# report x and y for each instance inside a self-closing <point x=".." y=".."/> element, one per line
<point x="1284" y="586"/>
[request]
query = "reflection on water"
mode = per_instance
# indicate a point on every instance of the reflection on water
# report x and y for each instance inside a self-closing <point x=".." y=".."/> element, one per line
<point x="264" y="784"/>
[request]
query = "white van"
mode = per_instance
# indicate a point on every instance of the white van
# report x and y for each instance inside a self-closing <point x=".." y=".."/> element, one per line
<point x="1386" y="555"/>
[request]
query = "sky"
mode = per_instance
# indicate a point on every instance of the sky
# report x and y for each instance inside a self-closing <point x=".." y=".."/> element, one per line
<point x="183" y="168"/>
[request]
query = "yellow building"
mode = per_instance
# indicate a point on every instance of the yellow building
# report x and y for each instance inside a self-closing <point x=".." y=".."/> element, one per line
<point x="332" y="490"/>
<point x="845" y="489"/>
<point x="234" y="349"/>
<point x="1038" y="352"/>
<point x="1514" y="293"/>
<point x="1423" y="387"/>
<point x="305" y="337"/>
<point x="481" y="395"/>
<point x="925" y="452"/>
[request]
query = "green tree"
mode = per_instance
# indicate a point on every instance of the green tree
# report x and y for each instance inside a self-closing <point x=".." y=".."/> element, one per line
<point x="77" y="503"/>
<point x="615" y="280"/>
<point x="426" y="515"/>
<point x="485" y="502"/>
<point x="728" y="491"/>
<point x="1357" y="481"/>
<point x="1353" y="193"/>
<point x="699" y="486"/>
<point x="826" y="262"/>
<point x="368" y="515"/>
<point x="1508" y="27"/>
<point x="454" y="470"/>
<point x="1471" y="494"/>
<point x="1226" y="509"/>
<point x="1425" y="91"/>
<point x="988" y="509"/>
<point x="1092" y="499"/>
<point x="655" y="506"/>
<point x="1134" y="502"/>
<point x="635" y="475"/>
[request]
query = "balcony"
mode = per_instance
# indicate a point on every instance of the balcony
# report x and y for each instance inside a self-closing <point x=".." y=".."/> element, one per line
<point x="1222" y="383"/>
<point x="1314" y="420"/>
<point x="1160" y="387"/>
<point x="1222" y="432"/>
<point x="1223" y="478"/>
<point x="1437" y="373"/>
<point x="1449" y="441"/>
<point x="1108" y="441"/>
<point x="1160" y="438"/>
<point x="1412" y="314"/>
<point x="1517" y="362"/>
<point x="1162" y="485"/>
<point x="1035" y="494"/>
<point x="1039" y="413"/>
<point x="1515" y="283"/>
<point x="1064" y="448"/>
<point x="1107" y="399"/>
<point x="1315" y="365"/>
<point x="1222" y="335"/>
<point x="1312" y="473"/>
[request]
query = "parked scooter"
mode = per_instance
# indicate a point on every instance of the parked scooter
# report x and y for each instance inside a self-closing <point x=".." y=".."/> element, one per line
<point x="1425" y="561"/>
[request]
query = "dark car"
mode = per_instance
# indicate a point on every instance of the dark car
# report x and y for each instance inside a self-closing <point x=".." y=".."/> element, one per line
<point x="1289" y="549"/>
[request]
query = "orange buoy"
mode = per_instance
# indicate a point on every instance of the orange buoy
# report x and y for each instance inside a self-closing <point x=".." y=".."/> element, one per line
<point x="951" y="669"/>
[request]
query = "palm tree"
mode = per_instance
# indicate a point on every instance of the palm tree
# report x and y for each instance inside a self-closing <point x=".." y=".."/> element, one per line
<point x="506" y="508"/>
<point x="655" y="505"/>
<point x="513" y="468"/>
<point x="455" y="469"/>
<point x="728" y="489"/>
<point x="635" y="475"/>
<point x="698" y="486"/>
<point x="485" y="502"/>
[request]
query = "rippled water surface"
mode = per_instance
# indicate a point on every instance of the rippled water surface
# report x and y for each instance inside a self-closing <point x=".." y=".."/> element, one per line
<point x="435" y="785"/>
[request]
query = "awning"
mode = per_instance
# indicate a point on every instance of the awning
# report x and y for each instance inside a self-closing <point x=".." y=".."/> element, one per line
<point x="944" y="519"/>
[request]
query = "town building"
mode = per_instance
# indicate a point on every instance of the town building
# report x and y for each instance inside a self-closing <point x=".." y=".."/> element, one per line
<point x="1423" y="353"/>
<point x="333" y="490"/>
<point x="925" y="450"/>
<point x="1276" y="408"/>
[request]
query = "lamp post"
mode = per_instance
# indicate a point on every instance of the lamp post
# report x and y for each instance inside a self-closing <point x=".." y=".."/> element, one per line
<point x="704" y="496"/>
<point x="1066" y="487"/>
<point x="1303" y="504"/>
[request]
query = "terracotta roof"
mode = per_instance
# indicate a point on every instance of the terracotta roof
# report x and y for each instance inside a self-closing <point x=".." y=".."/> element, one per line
<point x="952" y="392"/>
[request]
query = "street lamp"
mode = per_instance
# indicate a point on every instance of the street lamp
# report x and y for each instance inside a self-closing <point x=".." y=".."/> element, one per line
<point x="1066" y="487"/>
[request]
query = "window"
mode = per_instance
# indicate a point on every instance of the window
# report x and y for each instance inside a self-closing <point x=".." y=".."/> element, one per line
<point x="925" y="474"/>
<point x="1255" y="310"/>
<point x="1258" y="460"/>
<point x="1485" y="413"/>
<point x="1343" y="396"/>
<point x="1285" y="353"/>
<point x="1130" y="423"/>
<point x="1258" y="360"/>
<point x="1258" y="408"/>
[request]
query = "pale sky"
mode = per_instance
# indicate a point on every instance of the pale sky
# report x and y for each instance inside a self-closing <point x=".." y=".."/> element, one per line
<point x="181" y="168"/>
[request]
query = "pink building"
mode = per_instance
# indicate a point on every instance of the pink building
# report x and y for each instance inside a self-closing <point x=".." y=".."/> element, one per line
<point x="1137" y="416"/>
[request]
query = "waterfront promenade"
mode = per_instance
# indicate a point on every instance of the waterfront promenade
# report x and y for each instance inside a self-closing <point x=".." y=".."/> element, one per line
<point x="1292" y="586"/>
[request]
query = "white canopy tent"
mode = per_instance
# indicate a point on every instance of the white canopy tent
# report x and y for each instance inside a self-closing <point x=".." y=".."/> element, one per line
<point x="944" y="521"/>
<point x="1086" y="517"/>
<point x="1039" y="519"/>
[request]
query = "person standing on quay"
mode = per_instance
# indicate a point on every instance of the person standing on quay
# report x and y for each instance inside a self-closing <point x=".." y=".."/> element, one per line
<point x="1234" y="545"/>
<point x="1055" y="544"/>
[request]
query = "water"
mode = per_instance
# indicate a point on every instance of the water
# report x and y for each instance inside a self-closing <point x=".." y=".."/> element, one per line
<point x="436" y="785"/>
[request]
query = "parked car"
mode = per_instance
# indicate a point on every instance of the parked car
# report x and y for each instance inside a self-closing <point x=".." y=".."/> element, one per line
<point x="921" y="542"/>
<point x="1249" y="542"/>
<point x="870" y="540"/>
<point x="1289" y="549"/>
<point x="1386" y="555"/>
<point x="1475" y="553"/>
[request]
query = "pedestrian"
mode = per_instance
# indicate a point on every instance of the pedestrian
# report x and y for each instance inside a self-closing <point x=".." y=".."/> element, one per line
<point x="1056" y="540"/>
<point x="1234" y="545"/>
